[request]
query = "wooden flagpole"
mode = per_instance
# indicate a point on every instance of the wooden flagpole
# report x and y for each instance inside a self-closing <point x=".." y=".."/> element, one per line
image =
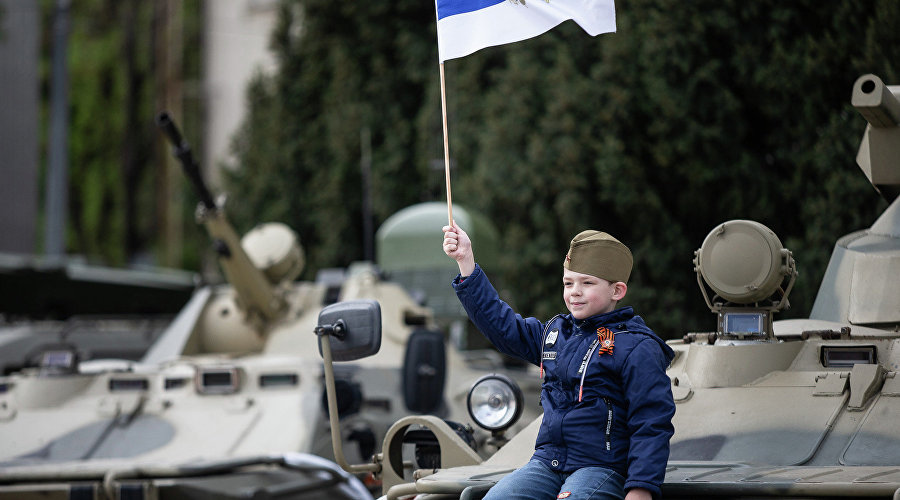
<point x="446" y="148"/>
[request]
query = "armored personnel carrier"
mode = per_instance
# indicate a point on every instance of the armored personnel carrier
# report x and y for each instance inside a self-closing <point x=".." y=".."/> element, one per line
<point x="802" y="408"/>
<point x="228" y="402"/>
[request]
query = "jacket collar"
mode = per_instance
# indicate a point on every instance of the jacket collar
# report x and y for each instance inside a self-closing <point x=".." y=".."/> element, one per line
<point x="619" y="320"/>
<point x="613" y="318"/>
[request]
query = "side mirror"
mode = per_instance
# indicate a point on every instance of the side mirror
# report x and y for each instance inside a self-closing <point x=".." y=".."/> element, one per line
<point x="353" y="329"/>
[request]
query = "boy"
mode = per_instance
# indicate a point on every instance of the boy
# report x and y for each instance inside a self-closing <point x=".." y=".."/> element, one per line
<point x="606" y="397"/>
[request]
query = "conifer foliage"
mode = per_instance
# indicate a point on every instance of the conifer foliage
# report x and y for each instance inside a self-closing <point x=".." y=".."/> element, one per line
<point x="693" y="113"/>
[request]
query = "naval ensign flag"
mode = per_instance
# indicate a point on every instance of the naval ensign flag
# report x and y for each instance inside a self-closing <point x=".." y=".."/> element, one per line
<point x="465" y="26"/>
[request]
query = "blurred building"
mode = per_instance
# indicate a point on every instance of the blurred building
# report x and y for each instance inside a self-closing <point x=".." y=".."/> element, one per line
<point x="236" y="40"/>
<point x="236" y="46"/>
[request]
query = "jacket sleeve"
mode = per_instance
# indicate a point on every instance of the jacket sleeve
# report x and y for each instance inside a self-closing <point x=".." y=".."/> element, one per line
<point x="648" y="393"/>
<point x="509" y="332"/>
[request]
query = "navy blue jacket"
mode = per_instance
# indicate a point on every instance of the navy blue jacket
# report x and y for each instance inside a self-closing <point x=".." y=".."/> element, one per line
<point x="610" y="410"/>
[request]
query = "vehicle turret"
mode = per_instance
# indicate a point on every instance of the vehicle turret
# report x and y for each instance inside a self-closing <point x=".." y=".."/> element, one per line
<point x="257" y="294"/>
<point x="861" y="285"/>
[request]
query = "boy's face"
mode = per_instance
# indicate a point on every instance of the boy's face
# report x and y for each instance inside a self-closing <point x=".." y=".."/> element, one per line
<point x="587" y="295"/>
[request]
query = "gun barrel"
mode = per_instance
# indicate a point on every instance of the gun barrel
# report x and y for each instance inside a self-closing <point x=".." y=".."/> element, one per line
<point x="875" y="101"/>
<point x="255" y="294"/>
<point x="879" y="150"/>
<point x="182" y="151"/>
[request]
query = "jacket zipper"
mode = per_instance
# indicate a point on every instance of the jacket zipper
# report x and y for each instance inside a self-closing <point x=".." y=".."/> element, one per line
<point x="609" y="412"/>
<point x="609" y="419"/>
<point x="583" y="369"/>
<point x="586" y="360"/>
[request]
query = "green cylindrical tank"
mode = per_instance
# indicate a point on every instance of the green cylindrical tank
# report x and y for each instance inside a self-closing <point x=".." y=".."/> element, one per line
<point x="408" y="249"/>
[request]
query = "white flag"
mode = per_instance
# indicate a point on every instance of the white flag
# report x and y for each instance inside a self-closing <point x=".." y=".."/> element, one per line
<point x="465" y="26"/>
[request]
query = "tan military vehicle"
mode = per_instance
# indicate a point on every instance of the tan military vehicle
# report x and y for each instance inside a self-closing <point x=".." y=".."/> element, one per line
<point x="802" y="408"/>
<point x="229" y="401"/>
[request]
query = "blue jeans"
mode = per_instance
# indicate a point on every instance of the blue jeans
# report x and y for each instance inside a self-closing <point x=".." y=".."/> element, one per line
<point x="535" y="481"/>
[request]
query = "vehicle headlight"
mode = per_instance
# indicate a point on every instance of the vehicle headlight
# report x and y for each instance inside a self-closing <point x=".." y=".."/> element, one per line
<point x="495" y="402"/>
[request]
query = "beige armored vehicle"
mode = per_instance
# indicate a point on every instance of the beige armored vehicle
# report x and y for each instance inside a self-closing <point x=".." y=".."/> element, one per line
<point x="803" y="408"/>
<point x="229" y="401"/>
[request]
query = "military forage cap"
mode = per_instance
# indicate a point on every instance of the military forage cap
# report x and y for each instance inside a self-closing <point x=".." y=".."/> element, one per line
<point x="599" y="254"/>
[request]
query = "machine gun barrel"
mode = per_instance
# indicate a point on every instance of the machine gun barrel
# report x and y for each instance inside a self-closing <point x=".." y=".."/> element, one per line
<point x="255" y="295"/>
<point x="879" y="151"/>
<point x="875" y="101"/>
<point x="182" y="151"/>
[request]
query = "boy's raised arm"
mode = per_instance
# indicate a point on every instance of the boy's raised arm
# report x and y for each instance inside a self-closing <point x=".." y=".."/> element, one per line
<point x="458" y="246"/>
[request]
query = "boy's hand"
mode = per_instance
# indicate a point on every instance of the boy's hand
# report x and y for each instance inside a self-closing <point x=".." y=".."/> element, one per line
<point x="459" y="247"/>
<point x="638" y="494"/>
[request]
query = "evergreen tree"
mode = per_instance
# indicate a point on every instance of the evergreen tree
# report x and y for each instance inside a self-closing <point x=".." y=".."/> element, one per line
<point x="690" y="115"/>
<point x="113" y="98"/>
<point x="344" y="67"/>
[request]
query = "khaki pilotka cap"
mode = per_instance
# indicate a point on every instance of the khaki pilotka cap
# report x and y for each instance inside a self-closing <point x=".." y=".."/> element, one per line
<point x="599" y="254"/>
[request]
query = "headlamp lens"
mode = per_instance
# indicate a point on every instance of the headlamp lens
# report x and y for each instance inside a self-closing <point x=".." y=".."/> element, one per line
<point x="495" y="402"/>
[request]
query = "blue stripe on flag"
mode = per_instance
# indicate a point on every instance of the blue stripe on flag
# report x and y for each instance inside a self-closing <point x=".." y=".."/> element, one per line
<point x="446" y="8"/>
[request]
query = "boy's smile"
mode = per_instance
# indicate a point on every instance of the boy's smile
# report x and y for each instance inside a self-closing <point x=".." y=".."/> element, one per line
<point x="587" y="295"/>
